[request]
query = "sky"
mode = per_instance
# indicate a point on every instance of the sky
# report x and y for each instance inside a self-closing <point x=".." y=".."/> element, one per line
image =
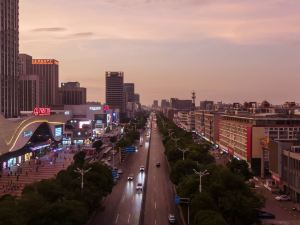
<point x="224" y="50"/>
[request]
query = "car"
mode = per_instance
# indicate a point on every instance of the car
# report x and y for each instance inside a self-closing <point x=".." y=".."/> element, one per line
<point x="109" y="158"/>
<point x="171" y="218"/>
<point x="157" y="164"/>
<point x="283" y="198"/>
<point x="130" y="177"/>
<point x="265" y="215"/>
<point x="139" y="187"/>
<point x="120" y="171"/>
<point x="142" y="169"/>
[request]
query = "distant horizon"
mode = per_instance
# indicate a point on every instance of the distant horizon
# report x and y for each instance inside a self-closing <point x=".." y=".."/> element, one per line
<point x="226" y="51"/>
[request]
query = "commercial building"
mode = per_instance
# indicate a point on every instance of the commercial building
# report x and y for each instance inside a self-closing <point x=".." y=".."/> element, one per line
<point x="242" y="136"/>
<point x="28" y="85"/>
<point x="28" y="92"/>
<point x="129" y="92"/>
<point x="285" y="167"/>
<point x="48" y="73"/>
<point x="155" y="104"/>
<point x="137" y="98"/>
<point x="71" y="93"/>
<point x="206" y="105"/>
<point x="165" y="103"/>
<point x="115" y="96"/>
<point x="181" y="104"/>
<point x="9" y="53"/>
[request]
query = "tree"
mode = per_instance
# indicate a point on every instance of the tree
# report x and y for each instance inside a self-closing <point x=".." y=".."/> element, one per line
<point x="240" y="167"/>
<point x="208" y="217"/>
<point x="181" y="169"/>
<point x="79" y="159"/>
<point x="97" y="144"/>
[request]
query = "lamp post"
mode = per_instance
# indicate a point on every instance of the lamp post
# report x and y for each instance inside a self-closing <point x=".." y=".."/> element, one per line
<point x="183" y="152"/>
<point x="176" y="141"/>
<point x="82" y="172"/>
<point x="201" y="174"/>
<point x="170" y="133"/>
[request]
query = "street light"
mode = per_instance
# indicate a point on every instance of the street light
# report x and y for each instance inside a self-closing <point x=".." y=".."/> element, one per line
<point x="82" y="172"/>
<point x="201" y="174"/>
<point x="183" y="152"/>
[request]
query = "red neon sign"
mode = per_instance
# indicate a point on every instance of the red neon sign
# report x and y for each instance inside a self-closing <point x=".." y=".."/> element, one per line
<point x="41" y="111"/>
<point x="106" y="107"/>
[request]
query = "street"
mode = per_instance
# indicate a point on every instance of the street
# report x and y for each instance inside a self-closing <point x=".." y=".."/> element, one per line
<point x="123" y="205"/>
<point x="160" y="199"/>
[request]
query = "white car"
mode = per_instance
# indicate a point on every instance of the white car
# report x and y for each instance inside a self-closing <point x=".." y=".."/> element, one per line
<point x="139" y="187"/>
<point x="142" y="169"/>
<point x="283" y="198"/>
<point x="171" y="218"/>
<point x="130" y="177"/>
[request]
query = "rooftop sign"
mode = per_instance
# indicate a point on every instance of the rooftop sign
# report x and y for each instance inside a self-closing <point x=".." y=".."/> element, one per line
<point x="41" y="111"/>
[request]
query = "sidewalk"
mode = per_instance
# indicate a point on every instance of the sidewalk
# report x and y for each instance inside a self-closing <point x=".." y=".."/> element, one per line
<point x="14" y="179"/>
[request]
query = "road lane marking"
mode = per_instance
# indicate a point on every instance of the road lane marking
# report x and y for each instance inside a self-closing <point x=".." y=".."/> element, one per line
<point x="129" y="218"/>
<point x="155" y="222"/>
<point x="117" y="218"/>
<point x="155" y="205"/>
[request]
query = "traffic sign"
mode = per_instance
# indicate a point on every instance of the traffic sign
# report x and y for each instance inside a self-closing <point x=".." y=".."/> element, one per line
<point x="114" y="173"/>
<point x="177" y="200"/>
<point x="130" y="149"/>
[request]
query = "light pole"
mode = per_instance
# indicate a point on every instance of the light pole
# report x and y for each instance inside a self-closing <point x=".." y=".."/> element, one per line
<point x="183" y="152"/>
<point x="201" y="174"/>
<point x="176" y="141"/>
<point x="82" y="172"/>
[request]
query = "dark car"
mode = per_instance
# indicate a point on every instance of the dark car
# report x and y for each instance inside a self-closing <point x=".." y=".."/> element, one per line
<point x="157" y="164"/>
<point x="265" y="215"/>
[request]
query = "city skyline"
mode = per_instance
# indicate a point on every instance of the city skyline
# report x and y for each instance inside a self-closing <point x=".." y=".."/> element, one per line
<point x="224" y="50"/>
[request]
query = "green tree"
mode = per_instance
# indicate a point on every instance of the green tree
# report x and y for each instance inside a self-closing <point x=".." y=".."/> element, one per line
<point x="240" y="167"/>
<point x="208" y="217"/>
<point x="79" y="159"/>
<point x="97" y="145"/>
<point x="181" y="169"/>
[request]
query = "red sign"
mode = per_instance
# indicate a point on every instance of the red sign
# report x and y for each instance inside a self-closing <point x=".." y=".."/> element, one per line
<point x="41" y="111"/>
<point x="106" y="107"/>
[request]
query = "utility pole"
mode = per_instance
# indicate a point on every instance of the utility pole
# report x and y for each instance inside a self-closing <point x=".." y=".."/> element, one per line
<point x="82" y="172"/>
<point x="201" y="174"/>
<point x="183" y="152"/>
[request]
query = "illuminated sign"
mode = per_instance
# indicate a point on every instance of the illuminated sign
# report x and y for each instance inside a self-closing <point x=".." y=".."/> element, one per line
<point x="82" y="123"/>
<point x="27" y="133"/>
<point x="108" y="118"/>
<point x="58" y="131"/>
<point x="41" y="111"/>
<point x="45" y="61"/>
<point x="106" y="107"/>
<point x="95" y="108"/>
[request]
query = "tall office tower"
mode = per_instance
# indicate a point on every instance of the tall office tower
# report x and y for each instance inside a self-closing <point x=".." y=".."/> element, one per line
<point x="28" y="88"/>
<point x="25" y="64"/>
<point x="48" y="72"/>
<point x="28" y="92"/>
<point x="115" y="90"/>
<point x="72" y="94"/>
<point x="129" y="91"/>
<point x="137" y="98"/>
<point x="9" y="53"/>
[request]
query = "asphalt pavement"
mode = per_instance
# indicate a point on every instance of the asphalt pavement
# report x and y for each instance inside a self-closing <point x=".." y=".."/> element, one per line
<point x="160" y="198"/>
<point x="123" y="205"/>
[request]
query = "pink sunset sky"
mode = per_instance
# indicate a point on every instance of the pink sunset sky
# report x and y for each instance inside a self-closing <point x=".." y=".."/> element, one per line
<point x="225" y="50"/>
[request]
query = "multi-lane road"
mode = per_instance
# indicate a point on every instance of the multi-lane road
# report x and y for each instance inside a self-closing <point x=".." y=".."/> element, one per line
<point x="125" y="205"/>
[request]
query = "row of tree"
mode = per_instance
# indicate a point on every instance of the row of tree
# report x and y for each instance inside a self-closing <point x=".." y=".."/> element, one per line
<point x="61" y="200"/>
<point x="225" y="199"/>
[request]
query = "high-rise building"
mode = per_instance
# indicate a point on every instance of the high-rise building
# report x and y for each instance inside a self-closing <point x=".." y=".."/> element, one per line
<point x="28" y="92"/>
<point x="137" y="98"/>
<point x="28" y="85"/>
<point x="155" y="104"/>
<point x="9" y="53"/>
<point x="129" y="91"/>
<point x="165" y="103"/>
<point x="48" y="73"/>
<point x="115" y="97"/>
<point x="25" y="64"/>
<point x="206" y="105"/>
<point x="72" y="94"/>
<point x="181" y="104"/>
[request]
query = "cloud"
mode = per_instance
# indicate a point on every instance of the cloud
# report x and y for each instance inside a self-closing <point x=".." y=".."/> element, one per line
<point x="83" y="34"/>
<point x="49" y="29"/>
